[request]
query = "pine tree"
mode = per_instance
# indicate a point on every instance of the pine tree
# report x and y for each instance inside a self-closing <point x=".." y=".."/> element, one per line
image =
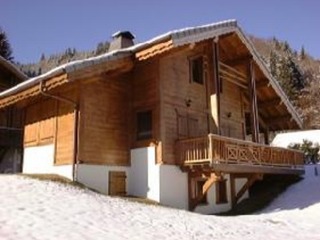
<point x="43" y="57"/>
<point x="101" y="48"/>
<point x="273" y="63"/>
<point x="302" y="53"/>
<point x="5" y="47"/>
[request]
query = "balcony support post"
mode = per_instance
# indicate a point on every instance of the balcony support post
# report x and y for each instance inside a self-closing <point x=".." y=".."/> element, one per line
<point x="253" y="103"/>
<point x="215" y="98"/>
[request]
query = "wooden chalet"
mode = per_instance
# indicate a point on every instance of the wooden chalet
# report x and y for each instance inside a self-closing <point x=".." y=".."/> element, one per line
<point x="182" y="119"/>
<point x="10" y="121"/>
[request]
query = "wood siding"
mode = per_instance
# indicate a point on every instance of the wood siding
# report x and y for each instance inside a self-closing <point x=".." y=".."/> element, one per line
<point x="40" y="123"/>
<point x="52" y="122"/>
<point x="145" y="97"/>
<point x="64" y="134"/>
<point x="232" y="114"/>
<point x="104" y="134"/>
<point x="177" y="119"/>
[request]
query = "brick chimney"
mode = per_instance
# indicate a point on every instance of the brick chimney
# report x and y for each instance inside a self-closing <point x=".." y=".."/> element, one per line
<point x="120" y="40"/>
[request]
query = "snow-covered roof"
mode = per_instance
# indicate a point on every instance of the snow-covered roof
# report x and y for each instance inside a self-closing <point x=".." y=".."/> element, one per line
<point x="285" y="139"/>
<point x="67" y="68"/>
<point x="12" y="68"/>
<point x="114" y="55"/>
<point x="179" y="37"/>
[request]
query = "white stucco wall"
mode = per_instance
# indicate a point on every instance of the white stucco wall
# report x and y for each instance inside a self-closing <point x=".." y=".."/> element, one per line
<point x="240" y="182"/>
<point x="40" y="159"/>
<point x="166" y="184"/>
<point x="144" y="180"/>
<point x="97" y="176"/>
<point x="173" y="187"/>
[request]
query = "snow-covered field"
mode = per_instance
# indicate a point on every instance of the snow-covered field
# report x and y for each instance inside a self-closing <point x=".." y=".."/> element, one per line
<point x="32" y="209"/>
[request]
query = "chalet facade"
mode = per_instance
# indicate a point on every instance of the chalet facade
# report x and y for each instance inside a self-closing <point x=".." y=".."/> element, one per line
<point x="182" y="119"/>
<point x="10" y="122"/>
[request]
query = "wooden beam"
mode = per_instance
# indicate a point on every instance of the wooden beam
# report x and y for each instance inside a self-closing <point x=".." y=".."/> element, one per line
<point x="266" y="136"/>
<point x="206" y="186"/>
<point x="262" y="83"/>
<point x="233" y="71"/>
<point x="253" y="103"/>
<point x="241" y="60"/>
<point x="277" y="120"/>
<point x="270" y="103"/>
<point x="247" y="185"/>
<point x="217" y="82"/>
<point x="246" y="168"/>
<point x="234" y="81"/>
<point x="154" y="50"/>
<point x="262" y="122"/>
<point x="233" y="190"/>
<point x="190" y="202"/>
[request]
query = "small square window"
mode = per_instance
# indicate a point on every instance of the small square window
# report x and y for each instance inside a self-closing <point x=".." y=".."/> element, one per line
<point x="144" y="125"/>
<point x="196" y="69"/>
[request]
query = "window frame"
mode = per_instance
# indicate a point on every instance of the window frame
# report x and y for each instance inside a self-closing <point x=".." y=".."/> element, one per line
<point x="192" y="60"/>
<point x="221" y="197"/>
<point x="197" y="190"/>
<point x="150" y="133"/>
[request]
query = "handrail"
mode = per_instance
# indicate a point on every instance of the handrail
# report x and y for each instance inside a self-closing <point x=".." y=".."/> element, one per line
<point x="220" y="149"/>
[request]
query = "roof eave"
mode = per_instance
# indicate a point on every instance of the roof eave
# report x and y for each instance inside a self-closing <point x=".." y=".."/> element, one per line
<point x="13" y="69"/>
<point x="274" y="83"/>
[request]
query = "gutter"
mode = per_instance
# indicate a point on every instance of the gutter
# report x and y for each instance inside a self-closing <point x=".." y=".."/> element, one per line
<point x="75" y="130"/>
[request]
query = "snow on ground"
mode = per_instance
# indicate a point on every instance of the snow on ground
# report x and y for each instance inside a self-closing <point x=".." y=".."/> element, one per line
<point x="32" y="209"/>
<point x="285" y="139"/>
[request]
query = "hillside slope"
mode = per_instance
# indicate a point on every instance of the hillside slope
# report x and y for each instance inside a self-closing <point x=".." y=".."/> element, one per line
<point x="33" y="209"/>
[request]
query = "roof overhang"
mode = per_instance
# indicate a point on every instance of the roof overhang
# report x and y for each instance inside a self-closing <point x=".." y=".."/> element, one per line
<point x="158" y="45"/>
<point x="62" y="75"/>
<point x="12" y="69"/>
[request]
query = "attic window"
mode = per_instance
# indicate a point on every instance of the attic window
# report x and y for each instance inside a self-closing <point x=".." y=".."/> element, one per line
<point x="144" y="125"/>
<point x="196" y="69"/>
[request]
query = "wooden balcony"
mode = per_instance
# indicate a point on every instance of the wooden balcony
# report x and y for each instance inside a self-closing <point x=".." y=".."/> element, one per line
<point x="233" y="155"/>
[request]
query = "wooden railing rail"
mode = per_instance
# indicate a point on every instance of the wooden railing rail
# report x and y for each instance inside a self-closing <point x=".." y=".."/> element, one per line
<point x="220" y="149"/>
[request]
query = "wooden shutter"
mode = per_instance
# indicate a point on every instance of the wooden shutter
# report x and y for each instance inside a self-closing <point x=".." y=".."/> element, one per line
<point x="117" y="183"/>
<point x="64" y="134"/>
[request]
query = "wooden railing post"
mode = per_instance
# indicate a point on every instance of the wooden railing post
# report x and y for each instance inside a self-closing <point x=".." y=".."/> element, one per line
<point x="210" y="147"/>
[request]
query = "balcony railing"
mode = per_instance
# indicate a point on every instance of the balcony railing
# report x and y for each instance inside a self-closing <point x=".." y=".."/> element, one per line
<point x="215" y="149"/>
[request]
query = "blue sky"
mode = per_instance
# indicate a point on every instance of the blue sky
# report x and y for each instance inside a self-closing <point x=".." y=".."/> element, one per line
<point x="50" y="26"/>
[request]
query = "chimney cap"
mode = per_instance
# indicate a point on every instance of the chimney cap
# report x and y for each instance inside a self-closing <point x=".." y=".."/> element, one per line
<point x="126" y="34"/>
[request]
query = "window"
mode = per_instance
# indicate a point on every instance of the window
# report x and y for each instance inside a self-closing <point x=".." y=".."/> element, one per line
<point x="221" y="191"/>
<point x="196" y="69"/>
<point x="247" y="117"/>
<point x="199" y="190"/>
<point x="144" y="125"/>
